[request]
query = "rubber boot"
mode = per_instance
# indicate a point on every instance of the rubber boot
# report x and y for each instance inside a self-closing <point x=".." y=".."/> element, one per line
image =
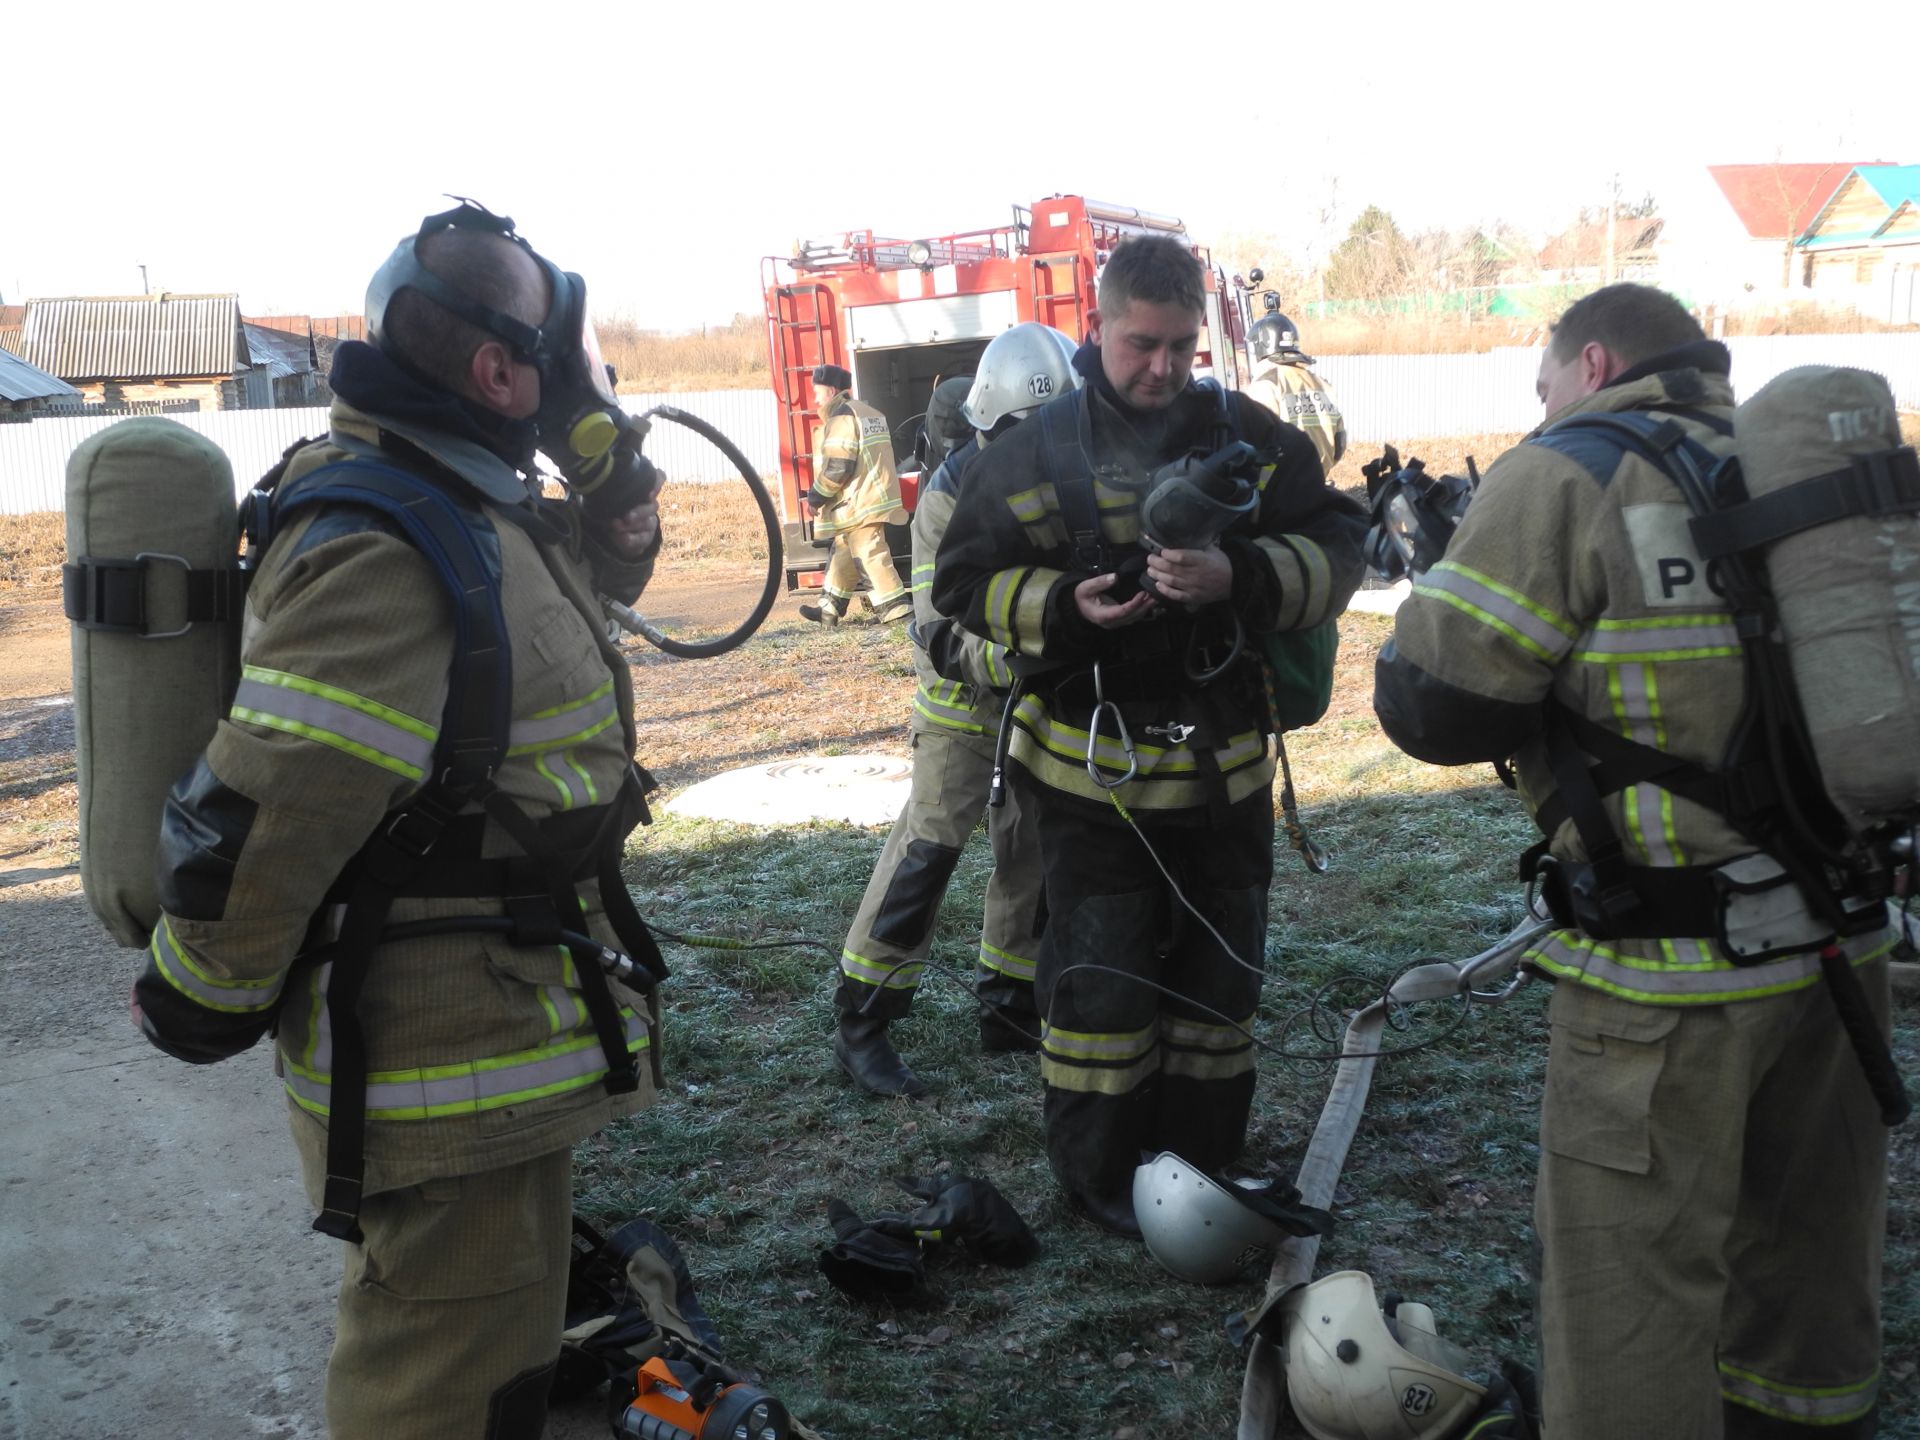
<point x="1009" y="1032"/>
<point x="828" y="612"/>
<point x="862" y="1049"/>
<point x="895" y="611"/>
<point x="1112" y="1213"/>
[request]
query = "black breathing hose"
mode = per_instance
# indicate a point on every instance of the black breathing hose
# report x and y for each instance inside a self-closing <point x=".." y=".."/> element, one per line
<point x="770" y="591"/>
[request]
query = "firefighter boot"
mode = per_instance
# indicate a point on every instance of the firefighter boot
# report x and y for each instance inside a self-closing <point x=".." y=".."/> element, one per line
<point x="862" y="1049"/>
<point x="828" y="612"/>
<point x="894" y="611"/>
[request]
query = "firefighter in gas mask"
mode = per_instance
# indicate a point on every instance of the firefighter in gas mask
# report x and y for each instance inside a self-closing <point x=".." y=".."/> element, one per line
<point x="340" y="815"/>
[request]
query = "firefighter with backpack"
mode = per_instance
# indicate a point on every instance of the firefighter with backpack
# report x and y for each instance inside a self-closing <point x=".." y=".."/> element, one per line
<point x="400" y="851"/>
<point x="1713" y="1157"/>
<point x="956" y="729"/>
<point x="1144" y="709"/>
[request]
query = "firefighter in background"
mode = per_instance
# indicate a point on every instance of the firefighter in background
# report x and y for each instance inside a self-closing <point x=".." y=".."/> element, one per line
<point x="1694" y="1280"/>
<point x="1152" y="724"/>
<point x="1284" y="381"/>
<point x="855" y="496"/>
<point x="955" y="728"/>
<point x="485" y="1061"/>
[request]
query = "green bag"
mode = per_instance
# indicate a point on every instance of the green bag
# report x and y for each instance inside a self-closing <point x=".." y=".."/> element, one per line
<point x="1299" y="673"/>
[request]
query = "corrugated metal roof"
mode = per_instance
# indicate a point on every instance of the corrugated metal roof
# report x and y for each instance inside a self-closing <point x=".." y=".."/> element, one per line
<point x="21" y="381"/>
<point x="139" y="337"/>
<point x="282" y="353"/>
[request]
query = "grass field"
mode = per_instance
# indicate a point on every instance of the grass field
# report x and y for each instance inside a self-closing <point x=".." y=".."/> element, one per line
<point x="1094" y="1339"/>
<point x="756" y="1130"/>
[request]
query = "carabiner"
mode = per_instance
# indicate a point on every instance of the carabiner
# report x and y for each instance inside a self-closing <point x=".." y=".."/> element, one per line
<point x="1102" y="705"/>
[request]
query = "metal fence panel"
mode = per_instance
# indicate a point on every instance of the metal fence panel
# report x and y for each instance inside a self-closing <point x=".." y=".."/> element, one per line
<point x="1384" y="398"/>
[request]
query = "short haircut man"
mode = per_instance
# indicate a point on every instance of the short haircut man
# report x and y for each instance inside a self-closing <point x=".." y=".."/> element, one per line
<point x="1635" y="322"/>
<point x="1157" y="269"/>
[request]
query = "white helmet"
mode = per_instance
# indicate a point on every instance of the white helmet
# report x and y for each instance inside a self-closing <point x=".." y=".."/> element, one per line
<point x="1020" y="370"/>
<point x="1355" y="1374"/>
<point x="1197" y="1227"/>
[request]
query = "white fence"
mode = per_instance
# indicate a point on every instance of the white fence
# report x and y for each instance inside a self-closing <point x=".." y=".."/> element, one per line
<point x="1384" y="397"/>
<point x="1404" y="397"/>
<point x="33" y="456"/>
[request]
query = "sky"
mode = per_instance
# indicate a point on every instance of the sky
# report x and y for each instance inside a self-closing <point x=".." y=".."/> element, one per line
<point x="661" y="151"/>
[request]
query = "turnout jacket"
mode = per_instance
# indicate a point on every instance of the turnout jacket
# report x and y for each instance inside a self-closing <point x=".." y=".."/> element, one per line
<point x="479" y="1053"/>
<point x="960" y="674"/>
<point x="1006" y="571"/>
<point x="1573" y="580"/>
<point x="1302" y="398"/>
<point x="853" y="470"/>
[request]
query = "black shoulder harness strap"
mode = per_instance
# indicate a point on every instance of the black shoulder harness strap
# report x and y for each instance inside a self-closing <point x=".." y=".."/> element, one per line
<point x="400" y="859"/>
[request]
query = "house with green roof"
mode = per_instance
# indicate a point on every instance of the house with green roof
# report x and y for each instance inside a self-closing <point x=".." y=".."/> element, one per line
<point x="1866" y="238"/>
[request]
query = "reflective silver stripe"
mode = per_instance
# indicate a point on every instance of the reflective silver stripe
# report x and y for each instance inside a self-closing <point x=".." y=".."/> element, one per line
<point x="949" y="704"/>
<point x="431" y="1092"/>
<point x="903" y="976"/>
<point x="567" y="725"/>
<point x="1506" y="610"/>
<point x="1635" y="696"/>
<point x="1092" y="1045"/>
<point x="1805" y="1404"/>
<point x="1005" y="962"/>
<point x="297" y="710"/>
<point x="1698" y="638"/>
<point x="1566" y="953"/>
<point x="180" y="970"/>
<point x="1651" y="810"/>
<point x="1198" y="1035"/>
<point x="574" y="784"/>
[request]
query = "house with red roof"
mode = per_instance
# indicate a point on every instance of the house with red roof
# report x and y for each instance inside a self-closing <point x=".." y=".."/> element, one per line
<point x="1734" y="236"/>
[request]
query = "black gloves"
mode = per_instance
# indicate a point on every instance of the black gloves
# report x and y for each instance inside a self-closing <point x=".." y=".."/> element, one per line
<point x="962" y="1208"/>
<point x="633" y="480"/>
<point x="816" y="499"/>
<point x="865" y="1261"/>
<point x="886" y="1255"/>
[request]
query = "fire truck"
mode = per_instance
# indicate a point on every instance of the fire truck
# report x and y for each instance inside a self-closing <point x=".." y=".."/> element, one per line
<point x="900" y="315"/>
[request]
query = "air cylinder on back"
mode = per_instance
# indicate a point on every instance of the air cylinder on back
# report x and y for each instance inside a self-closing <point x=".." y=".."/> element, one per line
<point x="149" y="504"/>
<point x="1848" y="591"/>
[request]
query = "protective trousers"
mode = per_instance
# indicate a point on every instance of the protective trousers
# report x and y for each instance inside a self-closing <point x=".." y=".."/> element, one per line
<point x="892" y="933"/>
<point x="866" y="545"/>
<point x="450" y="1311"/>
<point x="1130" y="1068"/>
<point x="1710" y="1209"/>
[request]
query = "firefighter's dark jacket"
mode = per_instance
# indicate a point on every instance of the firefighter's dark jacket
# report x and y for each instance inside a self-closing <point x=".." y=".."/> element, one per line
<point x="1006" y="570"/>
<point x="479" y="1053"/>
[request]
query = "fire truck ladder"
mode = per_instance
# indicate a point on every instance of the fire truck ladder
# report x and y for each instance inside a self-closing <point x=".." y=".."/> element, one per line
<point x="800" y="332"/>
<point x="1061" y="307"/>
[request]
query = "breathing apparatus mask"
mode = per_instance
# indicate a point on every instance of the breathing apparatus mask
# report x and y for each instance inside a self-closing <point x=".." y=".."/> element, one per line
<point x="1191" y="502"/>
<point x="582" y="429"/>
<point x="1414" y="514"/>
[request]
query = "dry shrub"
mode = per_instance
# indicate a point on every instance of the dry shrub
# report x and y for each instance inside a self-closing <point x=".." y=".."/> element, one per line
<point x="1452" y="333"/>
<point x="714" y="357"/>
<point x="32" y="549"/>
<point x="1806" y="317"/>
<point x="710" y="522"/>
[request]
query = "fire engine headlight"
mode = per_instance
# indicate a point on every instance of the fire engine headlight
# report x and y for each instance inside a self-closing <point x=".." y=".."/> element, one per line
<point x="920" y="253"/>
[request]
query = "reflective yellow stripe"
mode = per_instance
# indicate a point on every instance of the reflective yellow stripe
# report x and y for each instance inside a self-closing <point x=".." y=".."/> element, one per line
<point x="1568" y="954"/>
<point x="893" y="975"/>
<point x="339" y="719"/>
<point x="230" y="997"/>
<point x="1005" y="962"/>
<point x="1532" y="627"/>
<point x="1802" y="1404"/>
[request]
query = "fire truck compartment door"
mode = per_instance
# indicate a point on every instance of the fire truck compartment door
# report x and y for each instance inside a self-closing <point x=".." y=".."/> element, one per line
<point x="928" y="322"/>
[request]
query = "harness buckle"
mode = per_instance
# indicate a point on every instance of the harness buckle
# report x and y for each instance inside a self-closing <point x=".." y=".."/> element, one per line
<point x="1175" y="732"/>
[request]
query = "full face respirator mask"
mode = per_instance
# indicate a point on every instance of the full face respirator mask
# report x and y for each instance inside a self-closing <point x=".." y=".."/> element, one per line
<point x="1191" y="502"/>
<point x="1414" y="514"/>
<point x="582" y="429"/>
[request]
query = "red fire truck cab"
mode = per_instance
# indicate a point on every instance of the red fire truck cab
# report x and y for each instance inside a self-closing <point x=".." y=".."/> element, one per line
<point x="901" y="315"/>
